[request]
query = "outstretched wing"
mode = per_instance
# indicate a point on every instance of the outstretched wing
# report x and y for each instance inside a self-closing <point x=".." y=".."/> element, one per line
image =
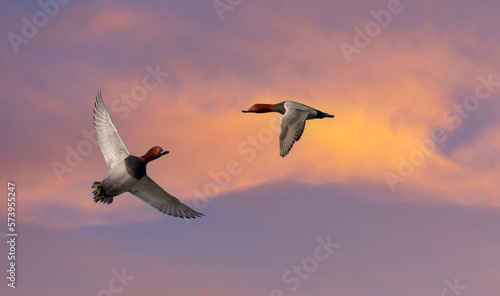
<point x="292" y="127"/>
<point x="112" y="147"/>
<point x="153" y="194"/>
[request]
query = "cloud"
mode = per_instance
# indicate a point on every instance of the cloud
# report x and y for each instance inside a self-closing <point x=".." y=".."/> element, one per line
<point x="250" y="238"/>
<point x="390" y="97"/>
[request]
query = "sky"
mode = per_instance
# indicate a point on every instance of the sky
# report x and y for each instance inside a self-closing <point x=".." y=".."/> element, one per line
<point x="396" y="195"/>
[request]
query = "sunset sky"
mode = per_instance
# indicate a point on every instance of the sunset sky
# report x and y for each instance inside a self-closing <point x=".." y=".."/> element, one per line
<point x="403" y="182"/>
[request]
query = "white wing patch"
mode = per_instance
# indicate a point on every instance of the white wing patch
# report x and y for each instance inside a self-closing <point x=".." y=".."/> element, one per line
<point x="112" y="147"/>
<point x="153" y="194"/>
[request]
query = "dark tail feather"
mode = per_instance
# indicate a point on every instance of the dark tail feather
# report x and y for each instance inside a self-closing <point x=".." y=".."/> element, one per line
<point x="323" y="114"/>
<point x="99" y="196"/>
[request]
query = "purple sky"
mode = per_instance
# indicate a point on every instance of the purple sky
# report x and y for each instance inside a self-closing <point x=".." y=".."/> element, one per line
<point x="410" y="212"/>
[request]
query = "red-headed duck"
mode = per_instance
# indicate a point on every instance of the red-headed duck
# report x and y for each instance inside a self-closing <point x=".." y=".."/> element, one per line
<point x="292" y="122"/>
<point x="127" y="173"/>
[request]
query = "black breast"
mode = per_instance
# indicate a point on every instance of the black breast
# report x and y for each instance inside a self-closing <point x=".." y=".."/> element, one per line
<point x="280" y="108"/>
<point x="135" y="167"/>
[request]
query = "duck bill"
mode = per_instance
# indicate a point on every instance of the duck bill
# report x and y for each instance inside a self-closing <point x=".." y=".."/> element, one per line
<point x="164" y="152"/>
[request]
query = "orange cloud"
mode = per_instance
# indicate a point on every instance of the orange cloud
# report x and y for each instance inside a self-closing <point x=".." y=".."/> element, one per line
<point x="393" y="94"/>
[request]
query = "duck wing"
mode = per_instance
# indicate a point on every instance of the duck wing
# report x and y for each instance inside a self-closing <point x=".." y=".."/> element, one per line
<point x="292" y="127"/>
<point x="112" y="147"/>
<point x="153" y="194"/>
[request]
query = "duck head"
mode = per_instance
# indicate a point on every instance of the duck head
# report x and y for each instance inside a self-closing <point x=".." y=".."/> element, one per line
<point x="260" y="108"/>
<point x="153" y="153"/>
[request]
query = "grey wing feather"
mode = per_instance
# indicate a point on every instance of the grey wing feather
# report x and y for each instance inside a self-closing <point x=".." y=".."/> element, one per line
<point x="153" y="194"/>
<point x="292" y="127"/>
<point x="112" y="147"/>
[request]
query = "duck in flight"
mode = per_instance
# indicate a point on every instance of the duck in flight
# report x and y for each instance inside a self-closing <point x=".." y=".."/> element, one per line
<point x="127" y="173"/>
<point x="293" y="121"/>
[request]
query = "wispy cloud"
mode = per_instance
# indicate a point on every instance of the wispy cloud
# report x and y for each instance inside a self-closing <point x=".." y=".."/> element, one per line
<point x="387" y="99"/>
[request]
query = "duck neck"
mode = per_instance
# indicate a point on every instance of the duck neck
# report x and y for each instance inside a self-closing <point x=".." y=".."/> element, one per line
<point x="264" y="108"/>
<point x="144" y="160"/>
<point x="147" y="157"/>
